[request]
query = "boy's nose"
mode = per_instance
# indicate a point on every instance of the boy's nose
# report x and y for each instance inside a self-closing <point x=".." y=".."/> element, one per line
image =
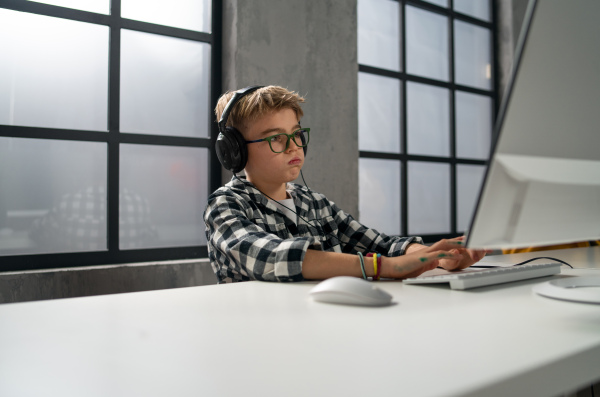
<point x="292" y="147"/>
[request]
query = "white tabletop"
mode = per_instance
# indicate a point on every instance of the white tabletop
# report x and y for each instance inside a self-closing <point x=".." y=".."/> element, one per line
<point x="269" y="339"/>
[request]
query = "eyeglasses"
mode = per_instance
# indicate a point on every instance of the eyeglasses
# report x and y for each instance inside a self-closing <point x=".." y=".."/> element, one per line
<point x="280" y="142"/>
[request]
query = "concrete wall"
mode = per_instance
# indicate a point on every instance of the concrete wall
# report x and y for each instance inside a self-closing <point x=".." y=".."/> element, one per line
<point x="510" y="15"/>
<point x="101" y="280"/>
<point x="310" y="47"/>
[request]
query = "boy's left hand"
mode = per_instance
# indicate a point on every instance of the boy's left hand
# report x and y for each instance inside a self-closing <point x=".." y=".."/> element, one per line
<point x="467" y="256"/>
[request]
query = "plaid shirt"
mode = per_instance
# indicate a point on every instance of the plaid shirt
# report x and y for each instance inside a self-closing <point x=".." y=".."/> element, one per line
<point x="249" y="238"/>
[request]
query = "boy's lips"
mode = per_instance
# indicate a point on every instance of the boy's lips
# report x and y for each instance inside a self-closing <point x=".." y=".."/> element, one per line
<point x="295" y="161"/>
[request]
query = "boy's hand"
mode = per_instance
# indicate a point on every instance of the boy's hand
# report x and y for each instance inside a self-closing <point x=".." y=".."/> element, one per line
<point x="463" y="257"/>
<point x="420" y="259"/>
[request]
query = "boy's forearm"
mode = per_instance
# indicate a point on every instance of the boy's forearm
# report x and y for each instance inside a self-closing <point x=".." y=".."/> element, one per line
<point x="319" y="265"/>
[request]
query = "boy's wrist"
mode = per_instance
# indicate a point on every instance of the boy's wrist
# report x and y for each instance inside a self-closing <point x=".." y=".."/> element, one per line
<point x="385" y="266"/>
<point x="414" y="247"/>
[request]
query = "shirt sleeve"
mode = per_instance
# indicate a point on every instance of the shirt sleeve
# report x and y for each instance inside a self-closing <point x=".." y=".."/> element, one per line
<point x="364" y="239"/>
<point x="241" y="250"/>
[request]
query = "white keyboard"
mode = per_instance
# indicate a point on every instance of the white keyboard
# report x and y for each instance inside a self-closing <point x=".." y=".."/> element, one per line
<point x="472" y="278"/>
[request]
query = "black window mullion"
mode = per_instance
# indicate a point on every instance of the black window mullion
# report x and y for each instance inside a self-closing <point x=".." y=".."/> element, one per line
<point x="404" y="163"/>
<point x="495" y="72"/>
<point x="55" y="11"/>
<point x="382" y="72"/>
<point x="453" y="188"/>
<point x="451" y="85"/>
<point x="215" y="89"/>
<point x="449" y="12"/>
<point x="94" y="258"/>
<point x="17" y="131"/>
<point x="404" y="128"/>
<point x="170" y="31"/>
<point x="472" y="20"/>
<point x="114" y="90"/>
<point x="164" y="140"/>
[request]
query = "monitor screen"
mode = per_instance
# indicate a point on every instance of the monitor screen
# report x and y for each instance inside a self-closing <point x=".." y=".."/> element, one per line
<point x="542" y="184"/>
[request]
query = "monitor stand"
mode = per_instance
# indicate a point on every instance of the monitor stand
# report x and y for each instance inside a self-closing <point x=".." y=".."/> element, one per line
<point x="584" y="289"/>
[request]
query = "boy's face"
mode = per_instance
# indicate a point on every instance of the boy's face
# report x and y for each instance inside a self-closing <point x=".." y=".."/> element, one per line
<point x="267" y="169"/>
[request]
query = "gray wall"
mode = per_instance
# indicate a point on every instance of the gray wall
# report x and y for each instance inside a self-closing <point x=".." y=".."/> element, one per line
<point x="101" y="280"/>
<point x="510" y="19"/>
<point x="307" y="46"/>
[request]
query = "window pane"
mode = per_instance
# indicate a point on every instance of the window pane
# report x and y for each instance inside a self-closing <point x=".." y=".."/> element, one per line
<point x="427" y="44"/>
<point x="428" y="198"/>
<point x="99" y="6"/>
<point x="468" y="183"/>
<point x="53" y="72"/>
<point x="164" y="85"/>
<point x="164" y="192"/>
<point x="378" y="113"/>
<point x="184" y="14"/>
<point x="379" y="33"/>
<point x="472" y="57"/>
<point x="428" y="119"/>
<point x="473" y="125"/>
<point x="379" y="199"/>
<point x="53" y="196"/>
<point x="478" y="9"/>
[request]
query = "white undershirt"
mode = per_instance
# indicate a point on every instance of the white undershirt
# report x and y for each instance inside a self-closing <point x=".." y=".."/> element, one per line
<point x="289" y="212"/>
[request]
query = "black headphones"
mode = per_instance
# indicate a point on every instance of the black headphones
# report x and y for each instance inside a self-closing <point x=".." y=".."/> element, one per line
<point x="230" y="145"/>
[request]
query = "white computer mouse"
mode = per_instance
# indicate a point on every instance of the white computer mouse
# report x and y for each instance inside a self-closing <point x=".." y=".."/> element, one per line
<point x="350" y="291"/>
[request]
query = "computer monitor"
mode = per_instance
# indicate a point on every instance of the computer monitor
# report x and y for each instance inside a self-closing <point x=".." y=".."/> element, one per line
<point x="542" y="184"/>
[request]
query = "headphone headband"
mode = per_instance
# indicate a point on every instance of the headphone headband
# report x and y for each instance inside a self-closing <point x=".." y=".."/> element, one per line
<point x="234" y="99"/>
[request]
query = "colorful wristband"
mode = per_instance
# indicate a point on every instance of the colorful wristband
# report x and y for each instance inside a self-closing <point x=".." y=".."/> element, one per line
<point x="375" y="267"/>
<point x="362" y="265"/>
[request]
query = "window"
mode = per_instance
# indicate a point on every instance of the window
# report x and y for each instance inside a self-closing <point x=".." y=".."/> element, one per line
<point x="426" y="100"/>
<point x="105" y="130"/>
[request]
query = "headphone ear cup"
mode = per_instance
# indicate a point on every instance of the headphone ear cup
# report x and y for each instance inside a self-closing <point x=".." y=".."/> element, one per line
<point x="231" y="150"/>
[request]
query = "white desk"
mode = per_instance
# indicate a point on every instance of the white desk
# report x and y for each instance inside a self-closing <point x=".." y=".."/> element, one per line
<point x="267" y="339"/>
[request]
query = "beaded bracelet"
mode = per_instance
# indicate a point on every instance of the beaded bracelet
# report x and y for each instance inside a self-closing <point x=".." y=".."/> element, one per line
<point x="362" y="265"/>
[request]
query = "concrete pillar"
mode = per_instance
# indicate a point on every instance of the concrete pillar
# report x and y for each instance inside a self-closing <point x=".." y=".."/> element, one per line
<point x="510" y="20"/>
<point x="307" y="46"/>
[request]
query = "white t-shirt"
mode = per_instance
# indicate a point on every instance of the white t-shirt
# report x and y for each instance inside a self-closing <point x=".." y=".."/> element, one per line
<point x="288" y="207"/>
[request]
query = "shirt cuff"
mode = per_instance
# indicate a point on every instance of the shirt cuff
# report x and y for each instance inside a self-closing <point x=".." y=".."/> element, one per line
<point x="400" y="248"/>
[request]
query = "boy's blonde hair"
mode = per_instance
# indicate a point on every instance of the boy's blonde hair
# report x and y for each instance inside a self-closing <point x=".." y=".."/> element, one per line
<point x="257" y="104"/>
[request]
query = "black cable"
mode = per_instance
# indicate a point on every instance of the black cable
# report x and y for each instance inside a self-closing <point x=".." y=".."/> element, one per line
<point x="543" y="257"/>
<point x="530" y="260"/>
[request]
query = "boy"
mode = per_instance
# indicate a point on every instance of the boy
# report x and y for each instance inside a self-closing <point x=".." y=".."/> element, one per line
<point x="263" y="227"/>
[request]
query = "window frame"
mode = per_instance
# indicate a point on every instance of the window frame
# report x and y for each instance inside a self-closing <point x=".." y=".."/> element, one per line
<point x="404" y="157"/>
<point x="114" y="138"/>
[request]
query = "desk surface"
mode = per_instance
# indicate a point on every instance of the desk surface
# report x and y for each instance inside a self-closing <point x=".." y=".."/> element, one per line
<point x="268" y="339"/>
